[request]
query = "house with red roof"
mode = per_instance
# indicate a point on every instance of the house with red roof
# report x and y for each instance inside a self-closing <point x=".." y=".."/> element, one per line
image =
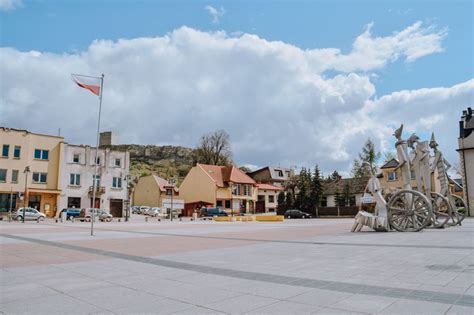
<point x="218" y="186"/>
<point x="154" y="191"/>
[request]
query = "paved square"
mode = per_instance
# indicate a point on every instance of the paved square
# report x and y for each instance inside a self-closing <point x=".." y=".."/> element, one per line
<point x="292" y="267"/>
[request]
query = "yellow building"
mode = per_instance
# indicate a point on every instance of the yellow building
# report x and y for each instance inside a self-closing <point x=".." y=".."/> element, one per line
<point x="392" y="179"/>
<point x="219" y="186"/>
<point x="42" y="154"/>
<point x="152" y="190"/>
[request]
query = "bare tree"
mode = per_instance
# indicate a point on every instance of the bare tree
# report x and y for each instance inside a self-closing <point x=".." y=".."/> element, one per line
<point x="214" y="149"/>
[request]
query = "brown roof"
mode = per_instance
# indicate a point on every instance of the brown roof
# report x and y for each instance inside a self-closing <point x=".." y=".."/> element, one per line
<point x="221" y="175"/>
<point x="268" y="187"/>
<point x="390" y="164"/>
<point x="162" y="183"/>
<point x="356" y="184"/>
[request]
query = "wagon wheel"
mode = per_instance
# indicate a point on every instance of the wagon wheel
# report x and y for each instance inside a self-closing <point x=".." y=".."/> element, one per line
<point x="442" y="210"/>
<point x="409" y="211"/>
<point x="460" y="210"/>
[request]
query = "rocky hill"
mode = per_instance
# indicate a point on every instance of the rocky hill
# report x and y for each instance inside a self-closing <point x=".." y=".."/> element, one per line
<point x="165" y="161"/>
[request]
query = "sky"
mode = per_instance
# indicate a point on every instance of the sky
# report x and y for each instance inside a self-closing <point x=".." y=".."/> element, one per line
<point x="294" y="83"/>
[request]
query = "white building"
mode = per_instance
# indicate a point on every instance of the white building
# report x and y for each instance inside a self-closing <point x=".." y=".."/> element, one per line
<point x="78" y="173"/>
<point x="466" y="153"/>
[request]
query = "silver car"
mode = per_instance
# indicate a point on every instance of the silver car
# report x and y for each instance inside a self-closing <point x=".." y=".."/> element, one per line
<point x="154" y="212"/>
<point x="30" y="214"/>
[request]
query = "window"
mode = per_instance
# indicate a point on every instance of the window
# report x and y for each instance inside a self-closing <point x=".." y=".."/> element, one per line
<point x="118" y="162"/>
<point x="280" y="173"/>
<point x="271" y="198"/>
<point x="41" y="154"/>
<point x="219" y="203"/>
<point x="227" y="204"/>
<point x="97" y="180"/>
<point x="324" y="202"/>
<point x="14" y="176"/>
<point x="117" y="182"/>
<point x="75" y="158"/>
<point x="413" y="175"/>
<point x="392" y="176"/>
<point x="75" y="179"/>
<point x="247" y="190"/>
<point x="236" y="190"/>
<point x="5" y="150"/>
<point x="3" y="175"/>
<point x="97" y="160"/>
<point x="16" y="152"/>
<point x="40" y="178"/>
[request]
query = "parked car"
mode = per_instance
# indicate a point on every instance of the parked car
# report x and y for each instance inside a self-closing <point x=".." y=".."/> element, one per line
<point x="71" y="213"/>
<point x="211" y="212"/>
<point x="155" y="212"/>
<point x="297" y="214"/>
<point x="136" y="209"/>
<point x="100" y="214"/>
<point x="144" y="210"/>
<point x="30" y="214"/>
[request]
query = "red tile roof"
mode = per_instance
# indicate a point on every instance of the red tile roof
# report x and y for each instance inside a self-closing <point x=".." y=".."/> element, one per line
<point x="222" y="175"/>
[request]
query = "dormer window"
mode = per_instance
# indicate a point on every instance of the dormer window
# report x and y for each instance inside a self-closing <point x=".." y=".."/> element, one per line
<point x="280" y="173"/>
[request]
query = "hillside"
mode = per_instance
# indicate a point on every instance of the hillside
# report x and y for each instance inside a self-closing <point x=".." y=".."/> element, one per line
<point x="165" y="161"/>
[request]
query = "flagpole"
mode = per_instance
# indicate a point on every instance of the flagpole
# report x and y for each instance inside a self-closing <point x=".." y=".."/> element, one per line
<point x="94" y="181"/>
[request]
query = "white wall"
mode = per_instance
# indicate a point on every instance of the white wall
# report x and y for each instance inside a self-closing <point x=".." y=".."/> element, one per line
<point x="107" y="170"/>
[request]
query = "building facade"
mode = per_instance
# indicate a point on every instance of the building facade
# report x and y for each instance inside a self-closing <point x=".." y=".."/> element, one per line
<point x="41" y="155"/>
<point x="78" y="164"/>
<point x="267" y="197"/>
<point x="276" y="176"/>
<point x="349" y="191"/>
<point x="466" y="155"/>
<point x="219" y="186"/>
<point x="153" y="190"/>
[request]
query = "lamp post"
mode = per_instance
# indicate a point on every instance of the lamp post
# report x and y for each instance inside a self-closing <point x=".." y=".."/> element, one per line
<point x="127" y="209"/>
<point x="169" y="191"/>
<point x="26" y="171"/>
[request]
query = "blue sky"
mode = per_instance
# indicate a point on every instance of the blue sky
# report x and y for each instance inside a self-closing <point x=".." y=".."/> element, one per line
<point x="68" y="26"/>
<point x="317" y="77"/>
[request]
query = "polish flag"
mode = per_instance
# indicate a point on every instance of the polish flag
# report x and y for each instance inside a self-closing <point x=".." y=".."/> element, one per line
<point x="90" y="83"/>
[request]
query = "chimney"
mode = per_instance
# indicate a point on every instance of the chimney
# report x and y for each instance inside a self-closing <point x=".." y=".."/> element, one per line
<point x="107" y="138"/>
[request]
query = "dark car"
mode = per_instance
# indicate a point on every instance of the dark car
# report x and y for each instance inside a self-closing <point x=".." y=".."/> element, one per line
<point x="212" y="212"/>
<point x="72" y="213"/>
<point x="297" y="214"/>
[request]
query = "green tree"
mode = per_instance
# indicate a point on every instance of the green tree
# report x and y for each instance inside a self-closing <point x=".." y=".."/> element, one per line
<point x="366" y="163"/>
<point x="316" y="192"/>
<point x="334" y="176"/>
<point x="346" y="195"/>
<point x="281" y="198"/>
<point x="338" y="199"/>
<point x="289" y="201"/>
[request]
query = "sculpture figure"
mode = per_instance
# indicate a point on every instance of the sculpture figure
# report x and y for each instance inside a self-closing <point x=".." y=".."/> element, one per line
<point x="441" y="165"/>
<point x="403" y="158"/>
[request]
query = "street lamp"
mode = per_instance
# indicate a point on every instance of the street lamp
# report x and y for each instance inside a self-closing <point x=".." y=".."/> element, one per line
<point x="127" y="208"/>
<point x="170" y="191"/>
<point x="26" y="171"/>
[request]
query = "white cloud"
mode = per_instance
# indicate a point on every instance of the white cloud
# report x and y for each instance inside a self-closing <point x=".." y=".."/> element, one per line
<point x="268" y="95"/>
<point x="215" y="13"/>
<point x="8" y="5"/>
<point x="369" y="53"/>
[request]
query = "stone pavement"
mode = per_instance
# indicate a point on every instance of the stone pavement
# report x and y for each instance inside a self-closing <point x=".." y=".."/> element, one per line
<point x="292" y="267"/>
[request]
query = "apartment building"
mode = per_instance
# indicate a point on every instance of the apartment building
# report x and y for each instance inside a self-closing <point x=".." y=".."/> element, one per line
<point x="78" y="164"/>
<point x="31" y="163"/>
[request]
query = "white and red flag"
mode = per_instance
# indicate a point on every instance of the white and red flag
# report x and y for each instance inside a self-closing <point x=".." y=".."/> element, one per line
<point x="92" y="84"/>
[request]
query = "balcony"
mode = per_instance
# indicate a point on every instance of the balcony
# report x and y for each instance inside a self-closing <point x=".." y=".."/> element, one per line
<point x="99" y="190"/>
